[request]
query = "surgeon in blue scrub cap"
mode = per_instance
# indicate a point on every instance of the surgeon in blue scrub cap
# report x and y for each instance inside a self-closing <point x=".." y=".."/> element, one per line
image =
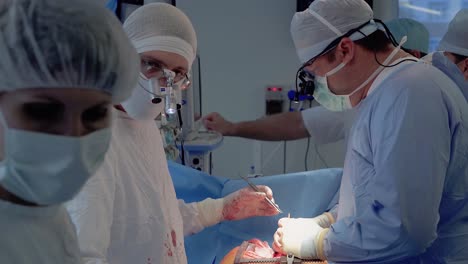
<point x="404" y="190"/>
<point x="417" y="34"/>
<point x="452" y="54"/>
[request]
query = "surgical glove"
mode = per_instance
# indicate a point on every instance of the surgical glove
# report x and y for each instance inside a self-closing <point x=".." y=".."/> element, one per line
<point x="216" y="122"/>
<point x="302" y="237"/>
<point x="324" y="220"/>
<point x="239" y="205"/>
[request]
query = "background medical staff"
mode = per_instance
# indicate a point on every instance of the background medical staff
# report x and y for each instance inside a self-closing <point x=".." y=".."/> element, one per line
<point x="129" y="212"/>
<point x="417" y="43"/>
<point x="59" y="76"/>
<point x="322" y="125"/>
<point x="455" y="42"/>
<point x="452" y="57"/>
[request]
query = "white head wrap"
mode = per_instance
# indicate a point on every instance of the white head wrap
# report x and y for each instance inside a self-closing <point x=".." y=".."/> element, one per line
<point x="456" y="38"/>
<point x="160" y="26"/>
<point x="65" y="44"/>
<point x="325" y="20"/>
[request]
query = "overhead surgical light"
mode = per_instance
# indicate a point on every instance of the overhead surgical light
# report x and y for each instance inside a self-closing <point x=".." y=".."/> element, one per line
<point x="421" y="9"/>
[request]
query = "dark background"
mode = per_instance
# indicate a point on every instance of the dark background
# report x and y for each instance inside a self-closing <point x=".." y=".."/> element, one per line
<point x="303" y="4"/>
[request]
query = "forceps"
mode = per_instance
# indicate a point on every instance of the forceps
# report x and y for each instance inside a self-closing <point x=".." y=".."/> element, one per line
<point x="255" y="188"/>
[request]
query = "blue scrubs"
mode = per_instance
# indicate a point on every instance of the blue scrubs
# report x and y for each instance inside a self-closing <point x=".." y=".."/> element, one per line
<point x="404" y="191"/>
<point x="441" y="62"/>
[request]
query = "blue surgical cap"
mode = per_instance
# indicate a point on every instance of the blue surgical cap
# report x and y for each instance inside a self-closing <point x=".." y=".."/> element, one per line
<point x="417" y="33"/>
<point x="456" y="38"/>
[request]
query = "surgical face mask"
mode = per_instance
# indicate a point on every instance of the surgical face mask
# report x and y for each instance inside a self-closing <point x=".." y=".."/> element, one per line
<point x="142" y="104"/>
<point x="48" y="169"/>
<point x="328" y="99"/>
<point x="337" y="103"/>
<point x="149" y="99"/>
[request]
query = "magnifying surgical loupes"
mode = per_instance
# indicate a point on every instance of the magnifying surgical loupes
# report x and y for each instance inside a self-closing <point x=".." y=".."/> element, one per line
<point x="166" y="91"/>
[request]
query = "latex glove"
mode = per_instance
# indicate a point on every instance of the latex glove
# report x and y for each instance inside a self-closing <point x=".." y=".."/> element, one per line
<point x="216" y="122"/>
<point x="324" y="220"/>
<point x="238" y="205"/>
<point x="302" y="237"/>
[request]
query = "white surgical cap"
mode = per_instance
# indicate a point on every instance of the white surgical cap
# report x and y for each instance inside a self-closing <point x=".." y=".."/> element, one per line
<point x="325" y="20"/>
<point x="65" y="44"/>
<point x="456" y="38"/>
<point x="417" y="33"/>
<point x="162" y="27"/>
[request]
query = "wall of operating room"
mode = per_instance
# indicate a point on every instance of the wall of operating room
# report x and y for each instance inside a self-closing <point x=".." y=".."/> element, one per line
<point x="241" y="53"/>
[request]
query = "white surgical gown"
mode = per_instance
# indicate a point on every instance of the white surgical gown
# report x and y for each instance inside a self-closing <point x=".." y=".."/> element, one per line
<point x="128" y="212"/>
<point x="404" y="190"/>
<point x="40" y="235"/>
<point x="325" y="126"/>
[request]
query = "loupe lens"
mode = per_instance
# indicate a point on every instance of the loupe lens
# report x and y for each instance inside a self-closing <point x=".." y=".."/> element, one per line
<point x="171" y="102"/>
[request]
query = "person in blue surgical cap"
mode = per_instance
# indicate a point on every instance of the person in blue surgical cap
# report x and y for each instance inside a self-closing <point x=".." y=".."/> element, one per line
<point x="404" y="190"/>
<point x="417" y="34"/>
<point x="452" y="57"/>
<point x="59" y="77"/>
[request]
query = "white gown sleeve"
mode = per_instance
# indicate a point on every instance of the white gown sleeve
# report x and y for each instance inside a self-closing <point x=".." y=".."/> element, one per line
<point x="92" y="212"/>
<point x="191" y="218"/>
<point x="324" y="126"/>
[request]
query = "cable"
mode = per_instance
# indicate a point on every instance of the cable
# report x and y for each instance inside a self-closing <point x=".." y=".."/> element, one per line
<point x="211" y="162"/>
<point x="284" y="157"/>
<point x="200" y="84"/>
<point x="388" y="32"/>
<point x="307" y="154"/>
<point x="393" y="41"/>
<point x="393" y="65"/>
<point x="320" y="156"/>
<point x="182" y="151"/>
<point x="266" y="162"/>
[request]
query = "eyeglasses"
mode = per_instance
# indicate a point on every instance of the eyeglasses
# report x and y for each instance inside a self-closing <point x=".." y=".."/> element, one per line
<point x="154" y="69"/>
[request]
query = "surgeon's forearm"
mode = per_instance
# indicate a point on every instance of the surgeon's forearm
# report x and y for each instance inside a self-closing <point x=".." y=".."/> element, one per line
<point x="193" y="218"/>
<point x="284" y="126"/>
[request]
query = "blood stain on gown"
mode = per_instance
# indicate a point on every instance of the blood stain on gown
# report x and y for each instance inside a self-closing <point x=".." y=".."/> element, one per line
<point x="174" y="238"/>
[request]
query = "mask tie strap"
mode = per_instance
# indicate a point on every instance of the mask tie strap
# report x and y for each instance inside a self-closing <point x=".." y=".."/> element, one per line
<point x="325" y="22"/>
<point x="380" y="69"/>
